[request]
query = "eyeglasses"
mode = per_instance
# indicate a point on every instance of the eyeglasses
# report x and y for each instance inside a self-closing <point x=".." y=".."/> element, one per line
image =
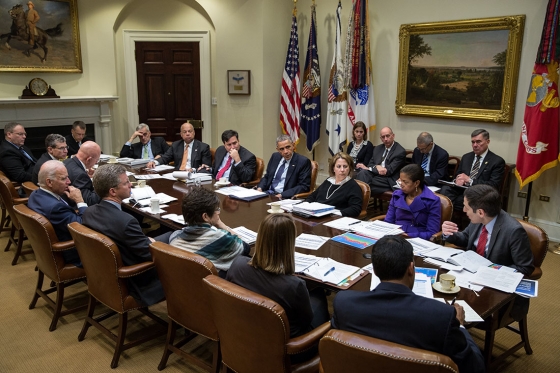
<point x="62" y="148"/>
<point x="20" y="133"/>
<point x="217" y="210"/>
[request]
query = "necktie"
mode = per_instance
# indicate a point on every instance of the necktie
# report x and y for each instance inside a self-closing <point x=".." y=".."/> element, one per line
<point x="425" y="162"/>
<point x="146" y="154"/>
<point x="384" y="155"/>
<point x="185" y="158"/>
<point x="475" y="168"/>
<point x="224" y="169"/>
<point x="79" y="144"/>
<point x="278" y="176"/>
<point x="481" y="246"/>
<point x="26" y="155"/>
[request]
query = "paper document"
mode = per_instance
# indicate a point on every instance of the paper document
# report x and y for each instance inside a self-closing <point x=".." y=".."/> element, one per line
<point x="142" y="193"/>
<point x="376" y="229"/>
<point x="464" y="278"/>
<point x="470" y="260"/>
<point x="343" y="224"/>
<point x="443" y="253"/>
<point x="528" y="288"/>
<point x="304" y="260"/>
<point x="159" y="168"/>
<point x="354" y="240"/>
<point x="470" y="314"/>
<point x="444" y="265"/>
<point x="174" y="217"/>
<point x="451" y="183"/>
<point x="329" y="270"/>
<point x="248" y="236"/>
<point x="499" y="280"/>
<point x="240" y="192"/>
<point x="148" y="177"/>
<point x="421" y="246"/>
<point x="434" y="189"/>
<point x="310" y="241"/>
<point x="287" y="202"/>
<point x="423" y="286"/>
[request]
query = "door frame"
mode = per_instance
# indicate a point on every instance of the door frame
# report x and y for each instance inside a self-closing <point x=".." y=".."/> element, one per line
<point x="130" y="37"/>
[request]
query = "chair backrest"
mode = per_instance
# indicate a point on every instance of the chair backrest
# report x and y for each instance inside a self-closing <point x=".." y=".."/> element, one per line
<point x="366" y="194"/>
<point x="342" y="351"/>
<point x="539" y="246"/>
<point x="314" y="172"/>
<point x="29" y="187"/>
<point x="101" y="260"/>
<point x="181" y="274"/>
<point x="9" y="198"/>
<point x="213" y="153"/>
<point x="259" y="170"/>
<point x="446" y="207"/>
<point x="453" y="166"/>
<point x="253" y="329"/>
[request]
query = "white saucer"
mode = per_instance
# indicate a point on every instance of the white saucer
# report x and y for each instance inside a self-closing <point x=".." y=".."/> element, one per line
<point x="274" y="212"/>
<point x="219" y="183"/>
<point x="438" y="287"/>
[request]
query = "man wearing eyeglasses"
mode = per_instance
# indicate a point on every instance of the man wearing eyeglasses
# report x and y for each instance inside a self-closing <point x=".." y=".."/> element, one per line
<point x="16" y="160"/>
<point x="77" y="137"/>
<point x="56" y="150"/>
<point x="432" y="158"/>
<point x="148" y="147"/>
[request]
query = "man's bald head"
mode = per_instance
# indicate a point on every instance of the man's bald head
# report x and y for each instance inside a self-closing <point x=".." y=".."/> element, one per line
<point x="89" y="153"/>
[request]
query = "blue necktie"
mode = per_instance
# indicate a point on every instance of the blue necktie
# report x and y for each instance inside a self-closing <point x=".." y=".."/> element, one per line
<point x="425" y="163"/>
<point x="26" y="155"/>
<point x="278" y="176"/>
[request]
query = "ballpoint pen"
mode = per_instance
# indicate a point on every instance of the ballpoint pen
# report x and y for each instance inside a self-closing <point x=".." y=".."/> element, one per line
<point x="329" y="271"/>
<point x="356" y="222"/>
<point x="453" y="301"/>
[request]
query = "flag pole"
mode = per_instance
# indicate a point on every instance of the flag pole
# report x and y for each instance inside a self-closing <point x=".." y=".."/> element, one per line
<point x="528" y="202"/>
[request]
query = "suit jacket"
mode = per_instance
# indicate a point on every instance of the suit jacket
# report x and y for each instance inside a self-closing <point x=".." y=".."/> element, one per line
<point x="364" y="155"/>
<point x="60" y="214"/>
<point x="438" y="164"/>
<point x="14" y="164"/>
<point x="509" y="244"/>
<point x="298" y="177"/>
<point x="394" y="161"/>
<point x="241" y="173"/>
<point x="158" y="144"/>
<point x="124" y="230"/>
<point x="73" y="144"/>
<point x="491" y="170"/>
<point x="81" y="180"/>
<point x="44" y="158"/>
<point x="392" y="312"/>
<point x="200" y="154"/>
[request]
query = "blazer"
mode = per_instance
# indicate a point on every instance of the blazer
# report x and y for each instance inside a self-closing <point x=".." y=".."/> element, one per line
<point x="241" y="173"/>
<point x="158" y="144"/>
<point x="14" y="164"/>
<point x="422" y="218"/>
<point x="392" y="312"/>
<point x="509" y="244"/>
<point x="124" y="230"/>
<point x="73" y="144"/>
<point x="200" y="154"/>
<point x="394" y="161"/>
<point x="364" y="155"/>
<point x="438" y="164"/>
<point x="298" y="177"/>
<point x="491" y="170"/>
<point x="44" y="158"/>
<point x="347" y="197"/>
<point x="81" y="180"/>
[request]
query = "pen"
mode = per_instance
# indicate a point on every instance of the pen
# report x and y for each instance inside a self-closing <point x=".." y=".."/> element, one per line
<point x="356" y="222"/>
<point x="453" y="301"/>
<point x="329" y="271"/>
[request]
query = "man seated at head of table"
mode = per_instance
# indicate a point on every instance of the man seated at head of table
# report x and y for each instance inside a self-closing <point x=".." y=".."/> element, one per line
<point x="205" y="233"/>
<point x="47" y="201"/>
<point x="433" y="159"/>
<point x="233" y="161"/>
<point x="77" y="137"/>
<point x="340" y="190"/>
<point x="56" y="150"/>
<point x="188" y="154"/>
<point x="16" y="160"/>
<point x="392" y="312"/>
<point x="80" y="170"/>
<point x="112" y="185"/>
<point x="287" y="173"/>
<point x="147" y="148"/>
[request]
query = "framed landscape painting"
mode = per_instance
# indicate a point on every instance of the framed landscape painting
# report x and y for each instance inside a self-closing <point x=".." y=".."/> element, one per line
<point x="460" y="69"/>
<point x="54" y="45"/>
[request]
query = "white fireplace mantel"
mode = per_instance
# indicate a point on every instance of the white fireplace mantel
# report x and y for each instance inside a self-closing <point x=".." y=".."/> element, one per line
<point x="53" y="112"/>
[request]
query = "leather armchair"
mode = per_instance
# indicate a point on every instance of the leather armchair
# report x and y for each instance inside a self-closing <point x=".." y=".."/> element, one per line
<point x="312" y="184"/>
<point x="259" y="171"/>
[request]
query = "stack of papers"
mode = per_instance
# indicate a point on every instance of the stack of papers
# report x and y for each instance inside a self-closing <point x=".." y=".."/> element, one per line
<point x="443" y="253"/>
<point x="148" y="177"/>
<point x="377" y="229"/>
<point x="344" y="224"/>
<point x="106" y="157"/>
<point x="324" y="269"/>
<point x="423" y="286"/>
<point x="241" y="193"/>
<point x="310" y="241"/>
<point x="176" y="218"/>
<point x="287" y="204"/>
<point x="248" y="236"/>
<point x="159" y="168"/>
<point x="421" y="246"/>
<point x="505" y="281"/>
<point x="313" y="209"/>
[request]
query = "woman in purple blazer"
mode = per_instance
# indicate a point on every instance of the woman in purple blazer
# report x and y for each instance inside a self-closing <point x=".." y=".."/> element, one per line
<point x="415" y="207"/>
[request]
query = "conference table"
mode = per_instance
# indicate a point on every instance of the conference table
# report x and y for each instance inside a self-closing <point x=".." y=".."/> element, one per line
<point x="235" y="213"/>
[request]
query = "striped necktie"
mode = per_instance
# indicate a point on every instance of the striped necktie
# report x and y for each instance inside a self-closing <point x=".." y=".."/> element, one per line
<point x="475" y="168"/>
<point x="146" y="154"/>
<point x="425" y="163"/>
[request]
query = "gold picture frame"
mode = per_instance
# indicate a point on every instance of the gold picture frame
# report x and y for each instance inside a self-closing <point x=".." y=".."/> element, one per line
<point x="57" y="38"/>
<point x="438" y="76"/>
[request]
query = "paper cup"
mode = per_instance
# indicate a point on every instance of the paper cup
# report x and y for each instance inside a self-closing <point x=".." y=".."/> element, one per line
<point x="154" y="205"/>
<point x="141" y="183"/>
<point x="223" y="180"/>
<point x="275" y="206"/>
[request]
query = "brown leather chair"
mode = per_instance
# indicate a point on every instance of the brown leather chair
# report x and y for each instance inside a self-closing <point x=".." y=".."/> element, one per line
<point x="255" y="333"/>
<point x="213" y="154"/>
<point x="342" y="351"/>
<point x="48" y="252"/>
<point x="453" y="166"/>
<point x="312" y="184"/>
<point x="106" y="277"/>
<point x="366" y="194"/>
<point x="446" y="213"/>
<point x="181" y="274"/>
<point x="5" y="221"/>
<point x="29" y="187"/>
<point x="11" y="198"/>
<point x="259" y="171"/>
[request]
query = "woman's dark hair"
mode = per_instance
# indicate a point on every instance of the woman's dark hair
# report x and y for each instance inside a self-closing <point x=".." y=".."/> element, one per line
<point x="198" y="202"/>
<point x="361" y="125"/>
<point x="414" y="172"/>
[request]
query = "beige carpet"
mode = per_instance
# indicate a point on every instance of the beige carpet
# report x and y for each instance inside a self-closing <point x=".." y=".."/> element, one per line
<point x="27" y="345"/>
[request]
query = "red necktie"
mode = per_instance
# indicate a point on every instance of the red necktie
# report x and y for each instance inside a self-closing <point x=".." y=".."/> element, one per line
<point x="481" y="246"/>
<point x="224" y="169"/>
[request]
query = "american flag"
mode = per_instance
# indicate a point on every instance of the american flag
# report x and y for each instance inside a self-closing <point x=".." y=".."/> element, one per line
<point x="290" y="100"/>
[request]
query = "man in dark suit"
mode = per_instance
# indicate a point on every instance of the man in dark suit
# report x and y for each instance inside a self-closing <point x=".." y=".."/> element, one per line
<point x="54" y="184"/>
<point x="56" y="150"/>
<point x="480" y="166"/>
<point x="189" y="154"/>
<point x="287" y="173"/>
<point x="432" y="158"/>
<point x="147" y="148"/>
<point x="80" y="170"/>
<point x="392" y="312"/>
<point x="233" y="161"/>
<point x="16" y="160"/>
<point x="107" y="217"/>
<point x="77" y="137"/>
<point x="384" y="168"/>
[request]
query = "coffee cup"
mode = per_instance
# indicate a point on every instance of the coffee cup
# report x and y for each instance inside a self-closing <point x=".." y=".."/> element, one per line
<point x="276" y="207"/>
<point x="154" y="205"/>
<point x="223" y="180"/>
<point x="112" y="160"/>
<point x="447" y="281"/>
<point x="141" y="183"/>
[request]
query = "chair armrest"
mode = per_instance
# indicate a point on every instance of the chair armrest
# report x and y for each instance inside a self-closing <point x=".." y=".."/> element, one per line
<point x="61" y="246"/>
<point x="250" y="184"/>
<point x="135" y="269"/>
<point x="537" y="273"/>
<point x="378" y="217"/>
<point x="304" y="342"/>
<point x="302" y="195"/>
<point x="20" y="201"/>
<point x="437" y="238"/>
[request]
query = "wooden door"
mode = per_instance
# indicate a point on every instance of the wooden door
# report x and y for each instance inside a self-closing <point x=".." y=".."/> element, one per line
<point x="168" y="76"/>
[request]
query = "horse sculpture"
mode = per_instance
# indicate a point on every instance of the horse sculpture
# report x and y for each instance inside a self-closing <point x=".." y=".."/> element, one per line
<point x="19" y="30"/>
